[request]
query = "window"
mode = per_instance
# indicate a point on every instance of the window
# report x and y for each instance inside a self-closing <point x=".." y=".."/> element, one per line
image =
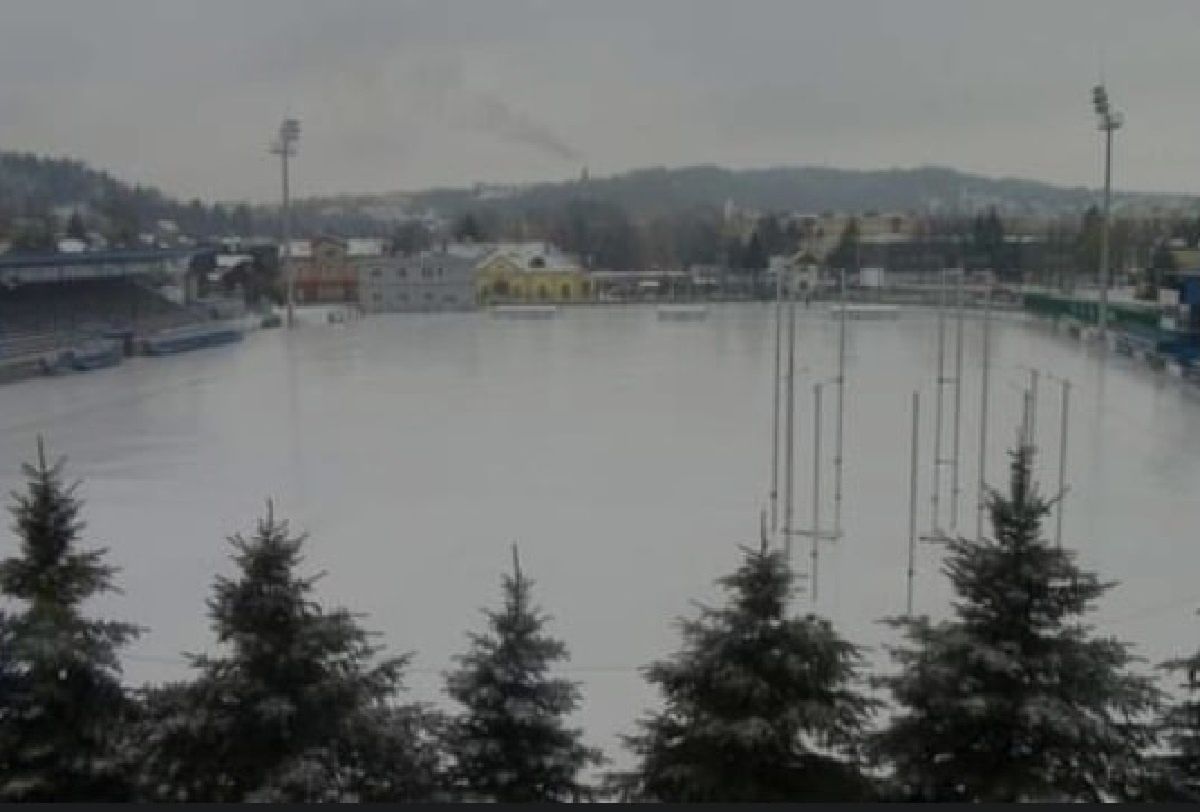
<point x="376" y="273"/>
<point x="377" y="296"/>
<point x="450" y="298"/>
<point x="566" y="291"/>
<point x="541" y="291"/>
<point x="401" y="273"/>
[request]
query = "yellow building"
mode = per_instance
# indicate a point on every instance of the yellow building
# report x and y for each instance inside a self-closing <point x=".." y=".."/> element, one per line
<point x="530" y="272"/>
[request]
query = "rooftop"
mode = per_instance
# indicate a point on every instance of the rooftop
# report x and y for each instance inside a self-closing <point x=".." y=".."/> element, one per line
<point x="534" y="255"/>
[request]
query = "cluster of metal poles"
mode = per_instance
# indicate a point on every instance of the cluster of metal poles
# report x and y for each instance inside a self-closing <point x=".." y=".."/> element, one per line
<point x="784" y="411"/>
<point x="1027" y="436"/>
<point x="783" y="524"/>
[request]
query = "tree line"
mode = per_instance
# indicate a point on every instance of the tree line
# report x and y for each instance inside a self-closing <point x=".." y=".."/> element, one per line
<point x="1014" y="697"/>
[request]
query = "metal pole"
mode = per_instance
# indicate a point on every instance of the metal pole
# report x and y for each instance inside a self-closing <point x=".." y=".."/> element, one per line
<point x="841" y="387"/>
<point x="816" y="487"/>
<point x="955" y="441"/>
<point x="789" y="421"/>
<point x="1026" y="419"/>
<point x="1033" y="397"/>
<point x="775" y="406"/>
<point x="289" y="269"/>
<point x="1104" y="269"/>
<point x="935" y="496"/>
<point x="912" y="506"/>
<point x="1062" y="462"/>
<point x="983" y="412"/>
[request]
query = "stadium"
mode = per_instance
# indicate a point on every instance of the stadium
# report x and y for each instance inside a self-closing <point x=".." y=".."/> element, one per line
<point x="53" y="306"/>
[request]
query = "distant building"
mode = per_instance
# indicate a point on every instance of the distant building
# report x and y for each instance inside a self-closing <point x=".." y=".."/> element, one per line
<point x="424" y="283"/>
<point x="530" y="272"/>
<point x="324" y="271"/>
<point x="1187" y="260"/>
<point x="821" y="233"/>
<point x="359" y="247"/>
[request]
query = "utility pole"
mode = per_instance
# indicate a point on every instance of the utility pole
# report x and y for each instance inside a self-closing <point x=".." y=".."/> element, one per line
<point x="816" y="505"/>
<point x="958" y="365"/>
<point x="285" y="147"/>
<point x="1062" y="461"/>
<point x="912" y="506"/>
<point x="1109" y="121"/>
<point x="983" y="413"/>
<point x="1033" y="399"/>
<point x="775" y="405"/>
<point x="789" y="422"/>
<point x="841" y="389"/>
<point x="939" y="395"/>
<point x="815" y="533"/>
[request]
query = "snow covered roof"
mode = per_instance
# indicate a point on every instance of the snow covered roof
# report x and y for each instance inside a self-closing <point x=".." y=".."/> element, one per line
<point x="534" y="256"/>
<point x="232" y="260"/>
<point x="301" y="248"/>
<point x="364" y="247"/>
<point x="468" y="250"/>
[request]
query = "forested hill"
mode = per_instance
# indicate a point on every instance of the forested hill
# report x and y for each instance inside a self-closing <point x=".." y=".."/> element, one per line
<point x="36" y="194"/>
<point x="810" y="189"/>
<point x="35" y="191"/>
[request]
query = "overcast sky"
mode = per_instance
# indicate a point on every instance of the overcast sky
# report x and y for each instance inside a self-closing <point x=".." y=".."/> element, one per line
<point x="185" y="94"/>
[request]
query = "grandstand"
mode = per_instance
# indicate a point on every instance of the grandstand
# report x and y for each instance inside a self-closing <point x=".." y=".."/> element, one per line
<point x="48" y="301"/>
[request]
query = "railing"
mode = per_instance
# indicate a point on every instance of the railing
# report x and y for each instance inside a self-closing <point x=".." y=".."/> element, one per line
<point x="29" y="345"/>
<point x="1120" y="314"/>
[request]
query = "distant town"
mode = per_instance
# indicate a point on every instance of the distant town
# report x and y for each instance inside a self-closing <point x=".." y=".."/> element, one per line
<point x="87" y="260"/>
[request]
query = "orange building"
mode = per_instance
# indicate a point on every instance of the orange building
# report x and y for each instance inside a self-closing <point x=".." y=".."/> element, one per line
<point x="327" y="268"/>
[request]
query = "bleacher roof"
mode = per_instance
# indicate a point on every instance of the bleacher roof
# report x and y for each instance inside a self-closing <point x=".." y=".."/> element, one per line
<point x="17" y="268"/>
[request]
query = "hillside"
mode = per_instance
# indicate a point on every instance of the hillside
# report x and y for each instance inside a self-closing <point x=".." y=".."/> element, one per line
<point x="38" y="190"/>
<point x="812" y="189"/>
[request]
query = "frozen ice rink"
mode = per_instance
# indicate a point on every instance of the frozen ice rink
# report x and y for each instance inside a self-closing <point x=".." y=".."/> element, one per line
<point x="629" y="457"/>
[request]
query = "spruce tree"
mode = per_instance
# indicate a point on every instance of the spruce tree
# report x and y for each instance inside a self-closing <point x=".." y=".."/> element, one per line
<point x="61" y="700"/>
<point x="1015" y="698"/>
<point x="510" y="743"/>
<point x="1179" y="767"/>
<point x="761" y="705"/>
<point x="295" y="709"/>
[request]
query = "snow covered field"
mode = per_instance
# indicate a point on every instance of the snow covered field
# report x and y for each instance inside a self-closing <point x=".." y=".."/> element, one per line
<point x="627" y="456"/>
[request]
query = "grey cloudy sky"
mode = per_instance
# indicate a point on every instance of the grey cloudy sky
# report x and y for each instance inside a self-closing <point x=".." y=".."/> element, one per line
<point x="184" y="94"/>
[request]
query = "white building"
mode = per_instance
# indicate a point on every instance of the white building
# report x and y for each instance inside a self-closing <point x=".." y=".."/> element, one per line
<point x="424" y="283"/>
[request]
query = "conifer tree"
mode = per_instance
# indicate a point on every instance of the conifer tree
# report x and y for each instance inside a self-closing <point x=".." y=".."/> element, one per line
<point x="61" y="700"/>
<point x="510" y="743"/>
<point x="761" y="705"/>
<point x="1015" y="699"/>
<point x="296" y="709"/>
<point x="1179" y="768"/>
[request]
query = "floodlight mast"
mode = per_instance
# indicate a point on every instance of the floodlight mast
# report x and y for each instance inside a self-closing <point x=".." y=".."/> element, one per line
<point x="1109" y="121"/>
<point x="284" y="146"/>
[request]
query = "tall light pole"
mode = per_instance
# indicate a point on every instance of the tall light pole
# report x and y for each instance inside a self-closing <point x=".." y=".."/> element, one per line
<point x="284" y="146"/>
<point x="775" y="404"/>
<point x="1109" y="121"/>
